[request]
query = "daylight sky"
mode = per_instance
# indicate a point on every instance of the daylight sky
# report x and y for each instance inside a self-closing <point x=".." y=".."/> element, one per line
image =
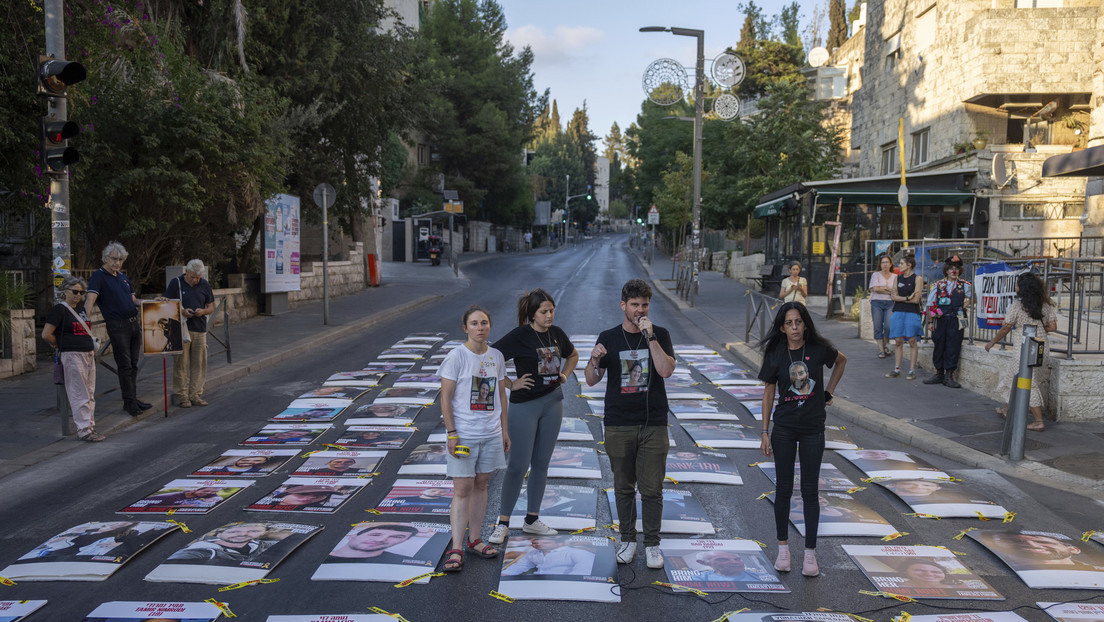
<point x="592" y="50"/>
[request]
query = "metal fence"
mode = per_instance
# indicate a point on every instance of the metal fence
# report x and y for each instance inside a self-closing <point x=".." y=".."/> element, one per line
<point x="759" y="316"/>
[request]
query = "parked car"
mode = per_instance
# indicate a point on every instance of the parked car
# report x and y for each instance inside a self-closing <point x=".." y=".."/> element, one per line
<point x="931" y="256"/>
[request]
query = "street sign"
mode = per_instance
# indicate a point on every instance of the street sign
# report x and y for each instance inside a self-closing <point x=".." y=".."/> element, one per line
<point x="455" y="207"/>
<point x="902" y="196"/>
<point x="653" y="216"/>
<point x="324" y="195"/>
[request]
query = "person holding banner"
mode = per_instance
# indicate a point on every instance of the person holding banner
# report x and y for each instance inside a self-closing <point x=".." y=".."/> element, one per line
<point x="948" y="301"/>
<point x="1031" y="306"/>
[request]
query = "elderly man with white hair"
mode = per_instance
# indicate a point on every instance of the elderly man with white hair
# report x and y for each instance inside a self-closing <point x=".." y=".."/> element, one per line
<point x="197" y="302"/>
<point x="110" y="287"/>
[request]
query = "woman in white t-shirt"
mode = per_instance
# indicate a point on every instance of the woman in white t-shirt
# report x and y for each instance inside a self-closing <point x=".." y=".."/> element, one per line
<point x="794" y="287"/>
<point x="473" y="406"/>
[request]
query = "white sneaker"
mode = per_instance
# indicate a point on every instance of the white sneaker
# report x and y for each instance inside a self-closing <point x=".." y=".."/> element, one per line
<point x="782" y="562"/>
<point x="626" y="551"/>
<point x="498" y="536"/>
<point x="655" y="558"/>
<point x="538" y="528"/>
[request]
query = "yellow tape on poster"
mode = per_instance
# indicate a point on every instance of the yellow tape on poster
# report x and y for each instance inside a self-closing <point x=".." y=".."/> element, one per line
<point x="413" y="580"/>
<point x="223" y="607"/>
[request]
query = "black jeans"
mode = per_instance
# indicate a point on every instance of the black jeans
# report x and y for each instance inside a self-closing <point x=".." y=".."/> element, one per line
<point x="788" y="446"/>
<point x="126" y="346"/>
<point x="946" y="342"/>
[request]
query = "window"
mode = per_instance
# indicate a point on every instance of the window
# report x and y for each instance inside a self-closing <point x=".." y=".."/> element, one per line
<point x="1041" y="210"/>
<point x="919" y="147"/>
<point x="889" y="158"/>
<point x="1038" y="4"/>
<point x="925" y="30"/>
<point x="892" y="51"/>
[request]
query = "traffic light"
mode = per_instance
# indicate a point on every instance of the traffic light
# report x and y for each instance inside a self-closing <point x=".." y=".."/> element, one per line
<point x="589" y="197"/>
<point x="639" y="221"/>
<point x="54" y="154"/>
<point x="55" y="76"/>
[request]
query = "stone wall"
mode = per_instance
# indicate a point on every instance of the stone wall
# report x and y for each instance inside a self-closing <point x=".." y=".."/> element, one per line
<point x="718" y="262"/>
<point x="23" y="355"/>
<point x="745" y="269"/>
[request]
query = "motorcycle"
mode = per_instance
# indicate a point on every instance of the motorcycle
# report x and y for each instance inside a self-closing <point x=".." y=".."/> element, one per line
<point x="435" y="250"/>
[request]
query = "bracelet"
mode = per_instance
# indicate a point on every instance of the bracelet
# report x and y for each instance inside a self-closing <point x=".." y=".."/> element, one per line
<point x="450" y="431"/>
<point x="766" y="432"/>
<point x="453" y="437"/>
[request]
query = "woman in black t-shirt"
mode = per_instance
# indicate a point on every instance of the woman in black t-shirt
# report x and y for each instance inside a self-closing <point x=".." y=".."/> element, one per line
<point x="543" y="356"/>
<point x="67" y="330"/>
<point x="794" y="357"/>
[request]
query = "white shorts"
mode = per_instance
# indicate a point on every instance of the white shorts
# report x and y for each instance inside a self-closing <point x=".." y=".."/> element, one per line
<point x="486" y="456"/>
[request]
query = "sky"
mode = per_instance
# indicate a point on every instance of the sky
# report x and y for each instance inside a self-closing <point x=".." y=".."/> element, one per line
<point x="592" y="51"/>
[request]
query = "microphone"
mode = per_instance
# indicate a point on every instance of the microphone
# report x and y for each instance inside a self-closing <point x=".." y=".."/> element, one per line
<point x="644" y="331"/>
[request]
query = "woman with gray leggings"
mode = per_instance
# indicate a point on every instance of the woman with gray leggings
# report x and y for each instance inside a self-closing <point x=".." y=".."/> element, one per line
<point x="543" y="356"/>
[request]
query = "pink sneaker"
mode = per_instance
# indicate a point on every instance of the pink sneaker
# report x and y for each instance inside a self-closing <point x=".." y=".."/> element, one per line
<point x="782" y="562"/>
<point x="810" y="567"/>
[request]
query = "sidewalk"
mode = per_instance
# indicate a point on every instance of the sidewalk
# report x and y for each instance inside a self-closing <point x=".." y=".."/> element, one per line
<point x="954" y="423"/>
<point x="30" y="424"/>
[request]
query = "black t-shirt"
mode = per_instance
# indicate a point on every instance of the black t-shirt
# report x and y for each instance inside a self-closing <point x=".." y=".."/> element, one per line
<point x="541" y="355"/>
<point x="70" y="335"/>
<point x="799" y="407"/>
<point x="197" y="297"/>
<point x="635" y="393"/>
<point x="906" y="286"/>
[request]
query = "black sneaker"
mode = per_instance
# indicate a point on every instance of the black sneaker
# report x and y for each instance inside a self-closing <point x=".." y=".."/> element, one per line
<point x="143" y="405"/>
<point x="133" y="410"/>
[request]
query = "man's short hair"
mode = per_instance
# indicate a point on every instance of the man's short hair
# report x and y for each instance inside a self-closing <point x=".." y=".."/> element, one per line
<point x="706" y="557"/>
<point x="113" y="247"/>
<point x="410" y="529"/>
<point x="636" y="288"/>
<point x="195" y="266"/>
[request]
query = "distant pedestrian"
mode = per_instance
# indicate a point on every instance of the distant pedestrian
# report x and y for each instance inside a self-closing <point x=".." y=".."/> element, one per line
<point x="906" y="324"/>
<point x="478" y="423"/>
<point x="528" y="240"/>
<point x="544" y="356"/>
<point x="67" y="329"/>
<point x="794" y="358"/>
<point x="948" y="301"/>
<point x="197" y="302"/>
<point x="794" y="287"/>
<point x="110" y="287"/>
<point x="881" y="303"/>
<point x="1032" y="306"/>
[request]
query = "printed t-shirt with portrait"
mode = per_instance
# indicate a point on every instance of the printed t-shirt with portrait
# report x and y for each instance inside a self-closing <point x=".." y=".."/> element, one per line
<point x="475" y="410"/>
<point x="799" y="377"/>
<point x="539" y="354"/>
<point x="70" y="333"/>
<point x="635" y="394"/>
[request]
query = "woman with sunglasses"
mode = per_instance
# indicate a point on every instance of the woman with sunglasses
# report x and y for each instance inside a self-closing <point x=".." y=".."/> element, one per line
<point x="67" y="330"/>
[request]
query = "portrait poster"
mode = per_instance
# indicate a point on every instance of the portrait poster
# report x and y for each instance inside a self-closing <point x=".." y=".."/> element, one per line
<point x="831" y="478"/>
<point x="746" y="392"/>
<point x="700" y="409"/>
<point x="426" y="459"/>
<point x="574" y="462"/>
<point x="389" y="367"/>
<point x="246" y="463"/>
<point x="188" y="496"/>
<point x="419" y="381"/>
<point x="787" y="616"/>
<point x="281" y="244"/>
<point x="561" y="567"/>
<point x="233" y="553"/>
<point x="1044" y="559"/>
<point x="728" y="375"/>
<point x="720" y="566"/>
<point x="365" y="379"/>
<point x="383" y="414"/>
<point x="835" y="437"/>
<point x="15" y="610"/>
<point x="87" y="552"/>
<point x="972" y="616"/>
<point x="439" y="434"/>
<point x="635" y="368"/>
<point x="713" y="467"/>
<point x="401" y="354"/>
<point x="880" y="463"/>
<point x="287" y="434"/>
<point x="1098" y="537"/>
<point x="320" y="402"/>
<point x="841" y="514"/>
<point x="703" y="359"/>
<point x="334" y="392"/>
<point x="1074" y="612"/>
<point x="945" y="499"/>
<point x="329" y="617"/>
<point x="597" y="392"/>
<point x="563" y="507"/>
<point x="754" y="408"/>
<point x="693" y="348"/>
<point x="418" y="496"/>
<point x="574" y="429"/>
<point x="307" y="414"/>
<point x="597" y="407"/>
<point x="161" y="327"/>
<point x="360" y="464"/>
<point x="722" y="435"/>
<point x="407" y="395"/>
<point x="386" y="551"/>
<point x="682" y="513"/>
<point x="376" y="436"/>
<point x="415" y="344"/>
<point x="317" y="495"/>
<point x="139" y="611"/>
<point x="919" y="572"/>
<point x="683" y="388"/>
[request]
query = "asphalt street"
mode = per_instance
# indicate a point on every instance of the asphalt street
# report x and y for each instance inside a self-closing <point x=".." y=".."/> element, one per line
<point x="92" y="482"/>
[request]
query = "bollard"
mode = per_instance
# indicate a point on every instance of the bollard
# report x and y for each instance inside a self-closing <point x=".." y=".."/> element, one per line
<point x="1012" y="443"/>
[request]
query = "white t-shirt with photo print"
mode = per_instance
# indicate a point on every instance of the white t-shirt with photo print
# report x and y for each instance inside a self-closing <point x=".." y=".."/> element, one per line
<point x="475" y="404"/>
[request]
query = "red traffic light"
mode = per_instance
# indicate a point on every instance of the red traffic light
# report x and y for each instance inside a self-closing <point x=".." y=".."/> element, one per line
<point x="55" y="76"/>
<point x="54" y="154"/>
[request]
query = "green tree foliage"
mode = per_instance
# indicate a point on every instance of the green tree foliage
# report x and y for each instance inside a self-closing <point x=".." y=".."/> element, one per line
<point x="674" y="196"/>
<point x="769" y="63"/>
<point x="837" y="23"/>
<point x="856" y="11"/>
<point x="578" y="130"/>
<point x="614" y="144"/>
<point x="789" y="22"/>
<point x="653" y="141"/>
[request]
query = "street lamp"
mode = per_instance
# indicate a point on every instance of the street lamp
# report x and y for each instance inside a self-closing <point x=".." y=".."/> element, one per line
<point x="699" y="107"/>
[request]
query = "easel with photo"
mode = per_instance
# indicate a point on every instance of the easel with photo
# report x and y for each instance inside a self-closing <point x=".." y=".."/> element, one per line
<point x="163" y="333"/>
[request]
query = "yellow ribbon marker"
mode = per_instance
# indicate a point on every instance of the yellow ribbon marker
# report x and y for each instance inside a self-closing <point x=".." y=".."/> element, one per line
<point x="6" y="581"/>
<point x="238" y="586"/>
<point x="583" y="530"/>
<point x="950" y="478"/>
<point x="170" y="512"/>
<point x="706" y="446"/>
<point x="373" y="511"/>
<point x="904" y="617"/>
<point x="610" y="526"/>
<point x="413" y="580"/>
<point x="611" y="538"/>
<point x="858" y="618"/>
<point x="1008" y="516"/>
<point x="601" y="442"/>
<point x="182" y="526"/>
<point x="922" y="515"/>
<point x="310" y="453"/>
<point x="755" y="464"/>
<point x="964" y="532"/>
<point x="724" y="616"/>
<point x="223" y="607"/>
<point x="871" y="480"/>
<point x="499" y="595"/>
<point x="760" y="543"/>
<point x="387" y="613"/>
<point x="904" y="599"/>
<point x="981" y="516"/>
<point x="1085" y="537"/>
<point x="681" y="588"/>
<point x="671" y="479"/>
<point x="959" y="553"/>
<point x="894" y="536"/>
<point x="852" y="491"/>
<point x="341" y="447"/>
<point x="764" y="495"/>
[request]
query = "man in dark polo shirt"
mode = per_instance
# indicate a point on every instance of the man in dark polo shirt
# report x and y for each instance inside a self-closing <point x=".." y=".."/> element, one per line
<point x="112" y="290"/>
<point x="197" y="301"/>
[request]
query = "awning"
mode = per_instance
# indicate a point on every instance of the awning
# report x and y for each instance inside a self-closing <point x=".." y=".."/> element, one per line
<point x="1085" y="163"/>
<point x="770" y="208"/>
<point x="889" y="197"/>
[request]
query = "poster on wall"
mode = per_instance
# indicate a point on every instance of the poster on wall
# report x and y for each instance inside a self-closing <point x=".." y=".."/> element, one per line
<point x="281" y="244"/>
<point x="161" y="327"/>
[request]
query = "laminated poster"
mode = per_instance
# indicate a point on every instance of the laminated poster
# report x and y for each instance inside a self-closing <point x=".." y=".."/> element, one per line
<point x="334" y="392"/>
<point x="693" y="348"/>
<point x="1074" y="612"/>
<point x="728" y="375"/>
<point x="87" y="552"/>
<point x="944" y="499"/>
<point x="418" y="496"/>
<point x="15" y="610"/>
<point x="597" y="407"/>
<point x="321" y="402"/>
<point x="711" y="358"/>
<point x="1044" y="559"/>
<point x="563" y="507"/>
<point x="375" y="436"/>
<point x="233" y="553"/>
<point x="745" y="393"/>
<point x="415" y="344"/>
<point x="574" y="429"/>
<point x="841" y="514"/>
<point x="319" y="495"/>
<point x="972" y="616"/>
<point x="389" y="367"/>
<point x="325" y="414"/>
<point x="835" y="437"/>
<point x="139" y="611"/>
<point x="360" y="464"/>
<point x="699" y="409"/>
<point x="702" y="466"/>
<point x="682" y="513"/>
<point x="419" y="381"/>
<point x="294" y="434"/>
<point x="407" y="395"/>
<point x="401" y="354"/>
<point x="562" y="567"/>
<point x="788" y="616"/>
<point x="919" y="572"/>
<point x="366" y="379"/>
<point x="722" y="435"/>
<point x="426" y="459"/>
<point x="161" y="327"/>
<point x="720" y="566"/>
<point x="187" y="496"/>
<point x="754" y="408"/>
<point x="333" y="617"/>
<point x="246" y="463"/>
<point x="831" y="478"/>
<point x="383" y="414"/>
<point x="386" y="551"/>
<point x="574" y="462"/>
<point x="879" y="463"/>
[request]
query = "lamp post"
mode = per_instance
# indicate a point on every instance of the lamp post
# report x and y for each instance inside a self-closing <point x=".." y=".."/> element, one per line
<point x="699" y="107"/>
<point x="567" y="208"/>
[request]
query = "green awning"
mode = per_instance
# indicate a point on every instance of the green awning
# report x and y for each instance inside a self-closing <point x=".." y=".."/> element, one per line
<point x="770" y="208"/>
<point x="889" y="197"/>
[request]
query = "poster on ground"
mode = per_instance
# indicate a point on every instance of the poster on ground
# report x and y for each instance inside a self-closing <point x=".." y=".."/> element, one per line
<point x="788" y="616"/>
<point x="836" y="437"/>
<point x="307" y="414"/>
<point x="728" y="375"/>
<point x="366" y="379"/>
<point x="919" y="572"/>
<point x="722" y="435"/>
<point x="332" y="617"/>
<point x="944" y="499"/>
<point x="426" y="459"/>
<point x="563" y="507"/>
<point x="233" y="553"/>
<point x="831" y="478"/>
<point x="142" y="611"/>
<point x="720" y="566"/>
<point x="349" y="463"/>
<point x="745" y="393"/>
<point x="294" y="434"/>
<point x="562" y="567"/>
<point x="418" y="496"/>
<point x="407" y="395"/>
<point x="334" y="392"/>
<point x="419" y="381"/>
<point x="246" y="463"/>
<point x="161" y="327"/>
<point x="389" y="367"/>
<point x="971" y="616"/>
<point x="376" y="436"/>
<point x="401" y="354"/>
<point x="575" y="462"/>
<point x="87" y="552"/>
<point x="574" y="429"/>
<point x="16" y="610"/>
<point x="713" y="467"/>
<point x="383" y="414"/>
<point x="385" y="551"/>
<point x="1074" y="612"/>
<point x="880" y="463"/>
<point x="693" y="348"/>
<point x="187" y="496"/>
<point x="754" y="408"/>
<point x="682" y="513"/>
<point x="1045" y="559"/>
<point x="318" y="495"/>
<point x="700" y="409"/>
<point x="841" y="514"/>
<point x="281" y="244"/>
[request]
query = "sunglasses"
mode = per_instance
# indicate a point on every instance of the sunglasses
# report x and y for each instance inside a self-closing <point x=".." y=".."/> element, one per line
<point x="78" y="292"/>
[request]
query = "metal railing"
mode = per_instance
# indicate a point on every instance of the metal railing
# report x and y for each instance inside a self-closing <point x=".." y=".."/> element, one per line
<point x="759" y="316"/>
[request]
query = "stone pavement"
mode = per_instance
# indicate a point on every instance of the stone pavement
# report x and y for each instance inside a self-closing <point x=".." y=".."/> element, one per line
<point x="954" y="423"/>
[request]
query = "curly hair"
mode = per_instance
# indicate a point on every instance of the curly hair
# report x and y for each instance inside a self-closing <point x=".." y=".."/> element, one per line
<point x="1032" y="294"/>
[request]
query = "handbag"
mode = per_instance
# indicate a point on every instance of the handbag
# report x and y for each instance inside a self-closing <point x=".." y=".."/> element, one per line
<point x="59" y="370"/>
<point x="185" y="335"/>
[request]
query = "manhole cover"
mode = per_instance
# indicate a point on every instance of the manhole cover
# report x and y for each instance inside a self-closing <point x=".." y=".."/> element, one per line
<point x="991" y="443"/>
<point x="1085" y="465"/>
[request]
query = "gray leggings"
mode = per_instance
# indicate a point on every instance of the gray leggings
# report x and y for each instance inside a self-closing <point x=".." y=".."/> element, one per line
<point x="533" y="427"/>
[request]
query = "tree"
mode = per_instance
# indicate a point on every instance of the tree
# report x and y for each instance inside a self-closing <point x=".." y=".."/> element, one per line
<point x="675" y="196"/>
<point x="855" y="13"/>
<point x="837" y="23"/>
<point x="614" y="144"/>
<point x="788" y="19"/>
<point x="653" y="141"/>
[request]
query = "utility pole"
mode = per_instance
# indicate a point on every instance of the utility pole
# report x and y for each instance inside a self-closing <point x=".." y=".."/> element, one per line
<point x="57" y="109"/>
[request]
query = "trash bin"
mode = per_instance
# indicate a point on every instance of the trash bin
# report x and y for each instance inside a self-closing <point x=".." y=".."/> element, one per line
<point x="373" y="271"/>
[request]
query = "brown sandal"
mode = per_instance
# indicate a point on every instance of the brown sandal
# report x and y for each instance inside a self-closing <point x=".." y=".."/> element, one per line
<point x="482" y="549"/>
<point x="454" y="565"/>
<point x="1000" y="411"/>
<point x="92" y="437"/>
<point x="1036" y="426"/>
